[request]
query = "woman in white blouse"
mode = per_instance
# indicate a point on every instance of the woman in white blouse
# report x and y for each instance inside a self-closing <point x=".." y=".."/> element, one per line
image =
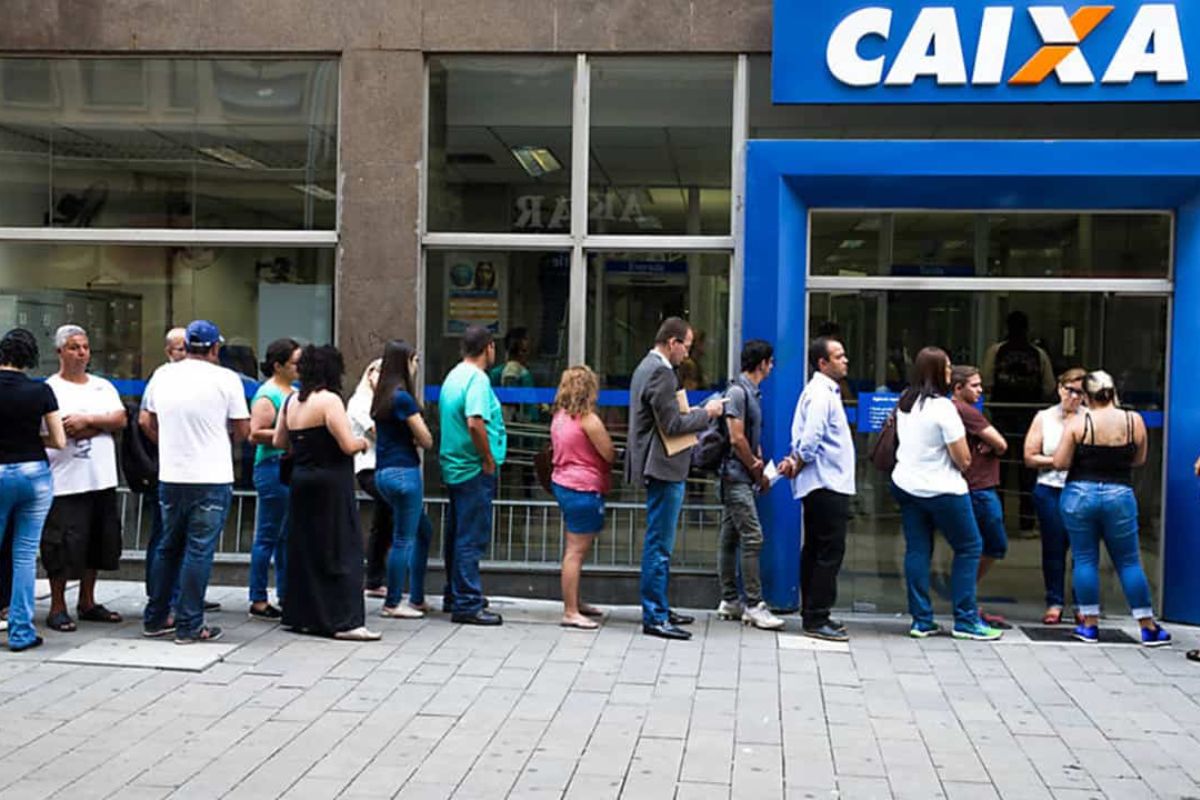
<point x="1045" y="432"/>
<point x="928" y="483"/>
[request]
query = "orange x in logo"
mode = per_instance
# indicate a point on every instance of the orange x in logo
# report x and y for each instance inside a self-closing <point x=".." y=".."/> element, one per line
<point x="1063" y="37"/>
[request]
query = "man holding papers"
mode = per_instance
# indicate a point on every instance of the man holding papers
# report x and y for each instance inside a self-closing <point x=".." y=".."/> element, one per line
<point x="821" y="466"/>
<point x="662" y="430"/>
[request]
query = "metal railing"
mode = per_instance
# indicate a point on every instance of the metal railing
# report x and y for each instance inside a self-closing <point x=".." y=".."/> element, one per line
<point x="524" y="532"/>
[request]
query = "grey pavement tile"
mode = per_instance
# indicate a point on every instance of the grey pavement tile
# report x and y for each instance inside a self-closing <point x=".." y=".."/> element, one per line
<point x="426" y="791"/>
<point x="861" y="788"/>
<point x="758" y="771"/>
<point x="599" y="787"/>
<point x="969" y="791"/>
<point x="315" y="789"/>
<point x="707" y="757"/>
<point x="700" y="791"/>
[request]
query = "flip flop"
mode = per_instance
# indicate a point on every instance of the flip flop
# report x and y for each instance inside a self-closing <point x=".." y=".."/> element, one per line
<point x="583" y="626"/>
<point x="60" y="621"/>
<point x="98" y="613"/>
<point x="591" y="611"/>
<point x="361" y="634"/>
<point x="1053" y="616"/>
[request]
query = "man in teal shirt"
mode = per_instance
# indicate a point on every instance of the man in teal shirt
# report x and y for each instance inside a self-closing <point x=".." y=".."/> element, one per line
<point x="474" y="444"/>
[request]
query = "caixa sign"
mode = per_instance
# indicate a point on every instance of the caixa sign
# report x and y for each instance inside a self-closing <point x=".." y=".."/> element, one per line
<point x="900" y="51"/>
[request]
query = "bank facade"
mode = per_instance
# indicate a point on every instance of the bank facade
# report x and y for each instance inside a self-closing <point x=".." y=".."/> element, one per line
<point x="576" y="171"/>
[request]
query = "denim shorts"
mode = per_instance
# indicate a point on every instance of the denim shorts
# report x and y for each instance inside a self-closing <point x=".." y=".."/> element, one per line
<point x="583" y="512"/>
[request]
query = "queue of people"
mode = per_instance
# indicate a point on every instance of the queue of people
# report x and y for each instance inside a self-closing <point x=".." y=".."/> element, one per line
<point x="313" y="452"/>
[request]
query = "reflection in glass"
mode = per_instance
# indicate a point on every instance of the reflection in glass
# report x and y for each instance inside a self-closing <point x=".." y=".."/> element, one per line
<point x="169" y="143"/>
<point x="127" y="298"/>
<point x="883" y="331"/>
<point x="661" y="145"/>
<point x="500" y="143"/>
<point x="1008" y="245"/>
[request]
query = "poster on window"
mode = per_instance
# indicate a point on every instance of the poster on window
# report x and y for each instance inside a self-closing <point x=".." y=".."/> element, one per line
<point x="474" y="294"/>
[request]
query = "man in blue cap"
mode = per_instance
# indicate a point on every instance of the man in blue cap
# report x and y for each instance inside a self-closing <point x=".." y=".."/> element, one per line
<point x="195" y="408"/>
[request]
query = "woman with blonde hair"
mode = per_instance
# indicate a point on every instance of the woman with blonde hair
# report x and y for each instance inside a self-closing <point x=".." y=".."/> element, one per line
<point x="1099" y="450"/>
<point x="1045" y="432"/>
<point x="583" y="458"/>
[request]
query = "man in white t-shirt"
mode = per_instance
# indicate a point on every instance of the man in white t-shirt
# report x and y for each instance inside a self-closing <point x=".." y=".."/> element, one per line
<point x="194" y="409"/>
<point x="82" y="533"/>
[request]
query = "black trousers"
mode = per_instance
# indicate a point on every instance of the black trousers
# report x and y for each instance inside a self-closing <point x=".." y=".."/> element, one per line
<point x="826" y="515"/>
<point x="379" y="539"/>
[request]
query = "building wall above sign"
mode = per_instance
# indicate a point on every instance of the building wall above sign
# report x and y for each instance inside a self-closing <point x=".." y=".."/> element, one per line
<point x="1029" y="51"/>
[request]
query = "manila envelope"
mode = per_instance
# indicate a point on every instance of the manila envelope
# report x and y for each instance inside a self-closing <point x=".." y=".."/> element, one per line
<point x="677" y="444"/>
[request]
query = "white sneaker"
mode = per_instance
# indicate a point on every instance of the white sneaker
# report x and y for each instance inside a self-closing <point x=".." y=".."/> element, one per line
<point x="402" y="611"/>
<point x="761" y="617"/>
<point x="730" y="609"/>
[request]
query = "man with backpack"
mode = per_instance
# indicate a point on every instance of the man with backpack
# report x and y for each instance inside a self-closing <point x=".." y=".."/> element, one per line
<point x="741" y="475"/>
<point x="821" y="466"/>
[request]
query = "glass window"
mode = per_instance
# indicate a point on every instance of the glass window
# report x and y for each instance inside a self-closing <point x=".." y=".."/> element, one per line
<point x="181" y="143"/>
<point x="883" y="331"/>
<point x="965" y="120"/>
<point x="522" y="297"/>
<point x="127" y="297"/>
<point x="500" y="144"/>
<point x="1009" y="245"/>
<point x="661" y="145"/>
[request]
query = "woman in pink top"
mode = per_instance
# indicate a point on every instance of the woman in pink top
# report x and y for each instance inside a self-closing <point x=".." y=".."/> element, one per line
<point x="583" y="457"/>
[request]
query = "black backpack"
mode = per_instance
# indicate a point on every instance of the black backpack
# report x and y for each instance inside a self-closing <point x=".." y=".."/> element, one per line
<point x="712" y="443"/>
<point x="139" y="455"/>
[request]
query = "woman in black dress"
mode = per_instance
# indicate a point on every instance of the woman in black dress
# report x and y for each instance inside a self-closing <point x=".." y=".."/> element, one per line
<point x="324" y="551"/>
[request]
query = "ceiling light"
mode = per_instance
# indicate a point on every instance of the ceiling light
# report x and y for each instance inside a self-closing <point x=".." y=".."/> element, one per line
<point x="319" y="192"/>
<point x="536" y="161"/>
<point x="233" y="158"/>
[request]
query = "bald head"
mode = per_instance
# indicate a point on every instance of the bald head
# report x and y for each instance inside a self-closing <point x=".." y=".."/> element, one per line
<point x="175" y="344"/>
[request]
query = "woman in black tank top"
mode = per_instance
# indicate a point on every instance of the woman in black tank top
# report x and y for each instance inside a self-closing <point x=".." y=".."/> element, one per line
<point x="1100" y="450"/>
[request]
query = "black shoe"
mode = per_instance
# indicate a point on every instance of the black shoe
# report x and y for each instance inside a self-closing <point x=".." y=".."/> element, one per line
<point x="826" y="632"/>
<point x="267" y="612"/>
<point x="665" y="630"/>
<point x="480" y="617"/>
<point x="836" y="624"/>
<point x="210" y="605"/>
<point x="679" y="619"/>
<point x="37" y="642"/>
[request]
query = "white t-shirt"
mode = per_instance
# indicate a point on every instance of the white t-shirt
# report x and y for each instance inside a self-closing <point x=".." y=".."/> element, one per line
<point x="84" y="465"/>
<point x="923" y="465"/>
<point x="1053" y="426"/>
<point x="194" y="401"/>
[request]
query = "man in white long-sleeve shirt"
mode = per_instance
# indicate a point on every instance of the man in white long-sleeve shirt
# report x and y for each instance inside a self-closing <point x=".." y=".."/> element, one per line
<point x="821" y="466"/>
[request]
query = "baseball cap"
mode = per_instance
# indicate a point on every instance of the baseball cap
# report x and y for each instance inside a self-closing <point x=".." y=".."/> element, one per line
<point x="202" y="333"/>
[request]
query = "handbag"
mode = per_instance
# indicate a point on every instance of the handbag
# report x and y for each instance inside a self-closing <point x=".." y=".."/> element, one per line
<point x="287" y="461"/>
<point x="543" y="467"/>
<point x="883" y="453"/>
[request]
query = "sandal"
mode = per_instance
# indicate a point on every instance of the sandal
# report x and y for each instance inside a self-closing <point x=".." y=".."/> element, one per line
<point x="583" y="626"/>
<point x="60" y="621"/>
<point x="1053" y="616"/>
<point x="375" y="591"/>
<point x="98" y="613"/>
<point x="590" y="611"/>
<point x="1192" y="655"/>
<point x="360" y="634"/>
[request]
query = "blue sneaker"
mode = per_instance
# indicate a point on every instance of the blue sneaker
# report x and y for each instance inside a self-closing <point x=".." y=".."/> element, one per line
<point x="977" y="632"/>
<point x="923" y="630"/>
<point x="1087" y="633"/>
<point x="1155" y="637"/>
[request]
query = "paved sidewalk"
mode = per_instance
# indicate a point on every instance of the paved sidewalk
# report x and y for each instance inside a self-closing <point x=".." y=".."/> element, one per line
<point x="531" y="710"/>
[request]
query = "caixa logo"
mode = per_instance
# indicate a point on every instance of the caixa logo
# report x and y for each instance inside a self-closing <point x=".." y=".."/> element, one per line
<point x="922" y="51"/>
<point x="1151" y="45"/>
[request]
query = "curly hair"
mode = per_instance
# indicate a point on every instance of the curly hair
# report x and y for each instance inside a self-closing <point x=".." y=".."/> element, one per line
<point x="578" y="389"/>
<point x="19" y="349"/>
<point x="320" y="368"/>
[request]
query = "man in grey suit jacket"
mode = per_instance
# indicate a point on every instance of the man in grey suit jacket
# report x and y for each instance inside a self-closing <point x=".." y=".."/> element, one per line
<point x="653" y="412"/>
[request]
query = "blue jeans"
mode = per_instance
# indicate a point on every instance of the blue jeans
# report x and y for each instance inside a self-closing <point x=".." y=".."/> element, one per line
<point x="26" y="492"/>
<point x="664" y="499"/>
<point x="193" y="517"/>
<point x="271" y="534"/>
<point x="401" y="488"/>
<point x="989" y="517"/>
<point x="952" y="515"/>
<point x="1105" y="511"/>
<point x="468" y="532"/>
<point x="1055" y="543"/>
<point x="420" y="559"/>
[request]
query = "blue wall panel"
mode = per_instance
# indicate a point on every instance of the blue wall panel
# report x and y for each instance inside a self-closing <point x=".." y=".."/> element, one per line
<point x="786" y="178"/>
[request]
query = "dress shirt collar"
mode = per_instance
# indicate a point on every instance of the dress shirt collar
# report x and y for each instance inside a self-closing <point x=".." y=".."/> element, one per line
<point x="662" y="358"/>
<point x="822" y="378"/>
